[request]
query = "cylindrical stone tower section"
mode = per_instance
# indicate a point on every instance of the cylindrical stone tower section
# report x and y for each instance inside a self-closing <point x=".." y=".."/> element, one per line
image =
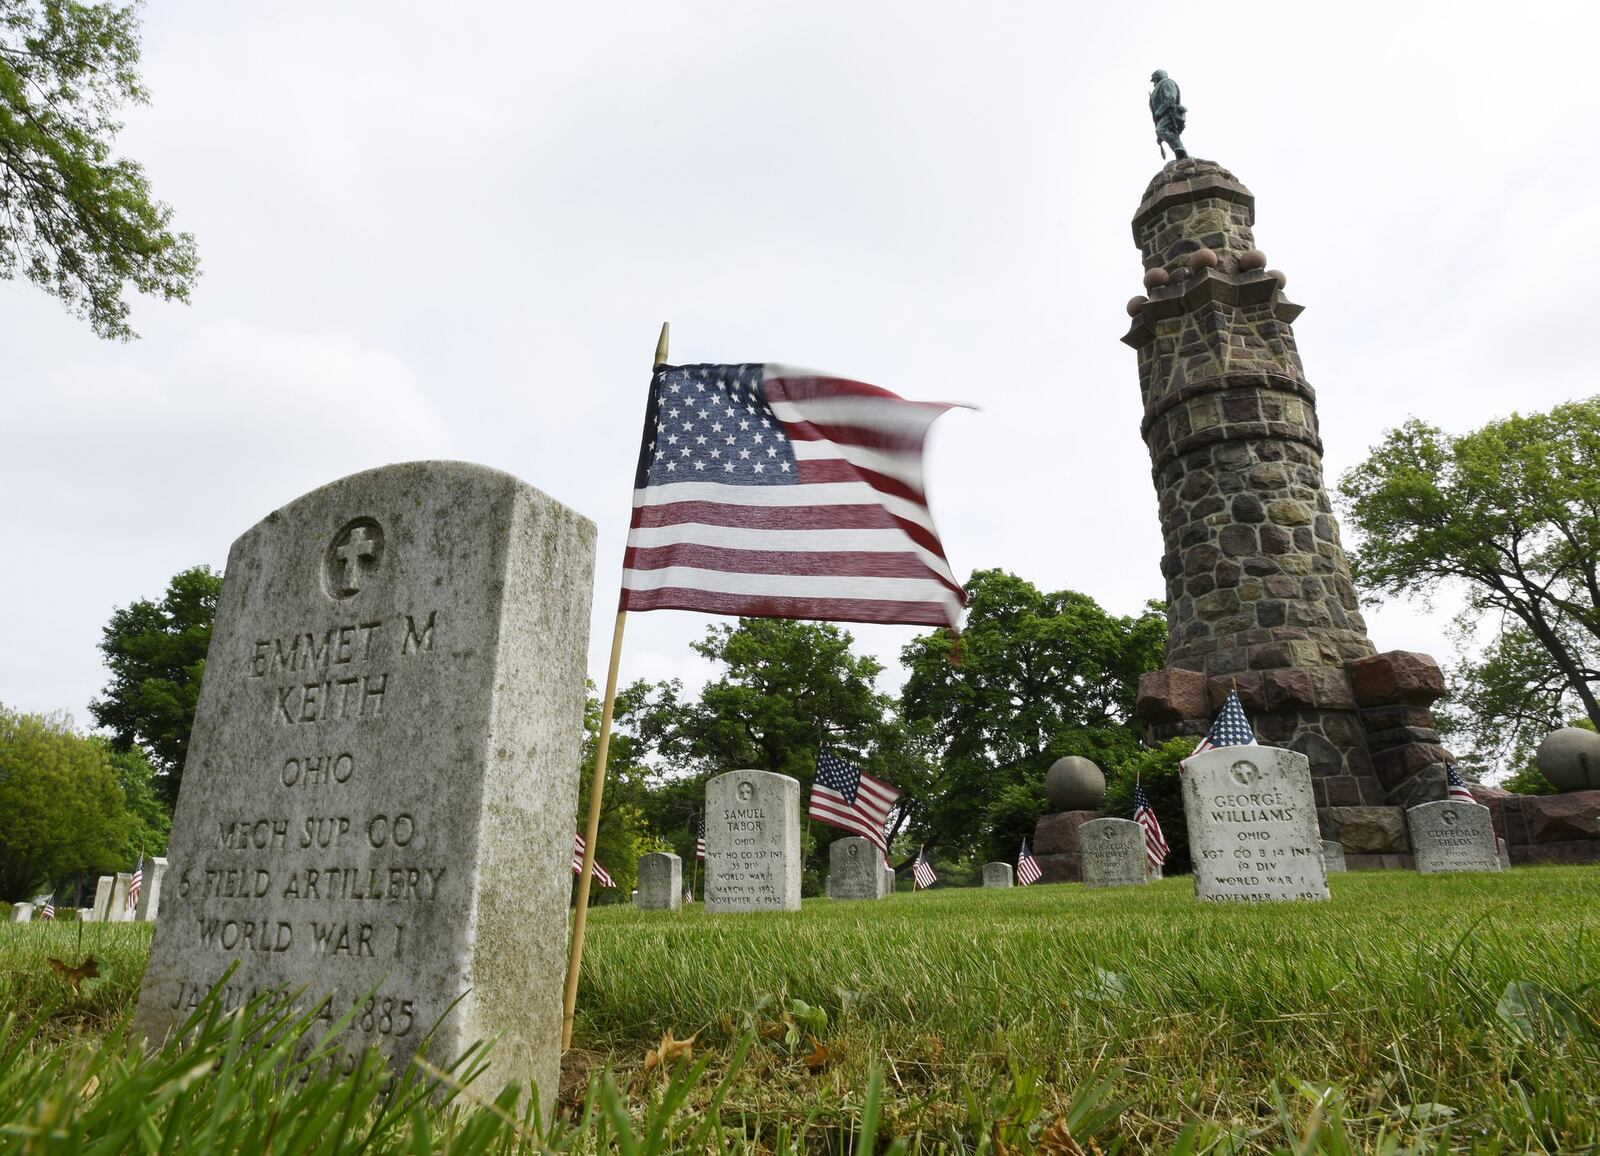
<point x="1259" y="592"/>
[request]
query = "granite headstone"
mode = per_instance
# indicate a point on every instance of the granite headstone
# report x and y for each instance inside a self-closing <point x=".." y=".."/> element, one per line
<point x="752" y="842"/>
<point x="1504" y="853"/>
<point x="102" y="897"/>
<point x="660" y="882"/>
<point x="1451" y="835"/>
<point x="890" y="882"/>
<point x="1333" y="856"/>
<point x="155" y="869"/>
<point x="381" y="787"/>
<point x="1113" y="853"/>
<point x="1252" y="820"/>
<point x="121" y="911"/>
<point x="22" y="913"/>
<point x="999" y="875"/>
<point x="855" y="869"/>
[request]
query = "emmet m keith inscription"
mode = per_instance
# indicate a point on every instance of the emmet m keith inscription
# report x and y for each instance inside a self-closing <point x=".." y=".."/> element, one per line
<point x="353" y="696"/>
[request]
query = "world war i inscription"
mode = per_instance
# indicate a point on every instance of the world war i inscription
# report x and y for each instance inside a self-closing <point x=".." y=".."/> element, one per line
<point x="377" y="811"/>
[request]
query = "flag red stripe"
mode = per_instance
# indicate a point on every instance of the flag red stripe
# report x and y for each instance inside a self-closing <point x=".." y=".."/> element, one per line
<point x="871" y="564"/>
<point x="876" y="809"/>
<point x="851" y="517"/>
<point x="771" y="606"/>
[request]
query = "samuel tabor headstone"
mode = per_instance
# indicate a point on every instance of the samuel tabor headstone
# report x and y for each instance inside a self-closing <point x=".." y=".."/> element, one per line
<point x="855" y="869"/>
<point x="155" y="870"/>
<point x="1253" y="825"/>
<point x="1113" y="853"/>
<point x="381" y="787"/>
<point x="752" y="842"/>
<point x="1333" y="856"/>
<point x="660" y="882"/>
<point x="998" y="875"/>
<point x="1448" y="835"/>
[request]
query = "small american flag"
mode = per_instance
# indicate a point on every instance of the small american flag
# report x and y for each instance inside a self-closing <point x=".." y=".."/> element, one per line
<point x="922" y="870"/>
<point x="700" y="838"/>
<point x="842" y="796"/>
<point x="1155" y="843"/>
<point x="688" y="893"/>
<point x="49" y="909"/>
<point x="780" y="493"/>
<point x="1231" y="729"/>
<point x="600" y="872"/>
<point x="1457" y="786"/>
<point x="134" y="887"/>
<point x="1028" y="871"/>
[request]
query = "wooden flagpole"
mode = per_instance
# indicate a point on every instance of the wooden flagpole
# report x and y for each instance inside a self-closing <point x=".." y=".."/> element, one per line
<point x="597" y="788"/>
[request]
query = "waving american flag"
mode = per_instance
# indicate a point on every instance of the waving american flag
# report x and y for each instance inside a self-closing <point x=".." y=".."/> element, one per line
<point x="1155" y="843"/>
<point x="1231" y="729"/>
<point x="922" y="871"/>
<point x="1028" y="871"/>
<point x="600" y="873"/>
<point x="1456" y="787"/>
<point x="842" y="796"/>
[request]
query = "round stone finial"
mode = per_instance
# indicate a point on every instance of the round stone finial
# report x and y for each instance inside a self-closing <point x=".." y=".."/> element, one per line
<point x="1075" y="783"/>
<point x="1570" y="759"/>
<point x="1280" y="277"/>
<point x="1202" y="258"/>
<point x="1156" y="278"/>
<point x="1136" y="305"/>
<point x="1252" y="259"/>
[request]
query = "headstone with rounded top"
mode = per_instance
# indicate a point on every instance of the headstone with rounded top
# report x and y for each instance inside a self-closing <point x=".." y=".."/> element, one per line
<point x="1074" y="783"/>
<point x="1252" y="821"/>
<point x="1333" y="855"/>
<point x="378" y="807"/>
<point x="752" y="842"/>
<point x="1113" y="853"/>
<point x="855" y="869"/>
<point x="1452" y="835"/>
<point x="660" y="882"/>
<point x="22" y="913"/>
<point x="998" y="875"/>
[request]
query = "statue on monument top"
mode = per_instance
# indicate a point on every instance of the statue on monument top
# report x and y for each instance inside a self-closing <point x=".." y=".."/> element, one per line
<point x="1167" y="113"/>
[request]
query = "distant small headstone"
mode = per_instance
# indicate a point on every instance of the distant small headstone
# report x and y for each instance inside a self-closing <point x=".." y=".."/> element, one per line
<point x="150" y="890"/>
<point x="1504" y="853"/>
<point x="890" y="883"/>
<point x="1333" y="856"/>
<point x="381" y="789"/>
<point x="1451" y="835"/>
<point x="102" y="897"/>
<point x="1113" y="853"/>
<point x="999" y="875"/>
<point x="22" y="913"/>
<point x="120" y="910"/>
<point x="1253" y="825"/>
<point x="855" y="869"/>
<point x="752" y="842"/>
<point x="660" y="882"/>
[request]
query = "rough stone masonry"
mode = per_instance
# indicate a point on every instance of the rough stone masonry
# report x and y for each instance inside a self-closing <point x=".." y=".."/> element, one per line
<point x="1259" y="592"/>
<point x="378" y="804"/>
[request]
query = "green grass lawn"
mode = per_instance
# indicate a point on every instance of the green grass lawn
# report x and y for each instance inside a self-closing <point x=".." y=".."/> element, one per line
<point x="1409" y="1013"/>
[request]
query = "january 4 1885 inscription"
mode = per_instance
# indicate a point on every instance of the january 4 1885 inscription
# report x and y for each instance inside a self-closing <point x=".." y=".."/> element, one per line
<point x="377" y="810"/>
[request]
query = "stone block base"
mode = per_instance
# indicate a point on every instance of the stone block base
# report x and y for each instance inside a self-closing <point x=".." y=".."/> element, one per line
<point x="1366" y="830"/>
<point x="1062" y="868"/>
<point x="1379" y="862"/>
<point x="1057" y="834"/>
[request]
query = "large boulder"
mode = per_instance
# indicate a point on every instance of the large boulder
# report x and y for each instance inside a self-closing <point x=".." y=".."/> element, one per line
<point x="1570" y="759"/>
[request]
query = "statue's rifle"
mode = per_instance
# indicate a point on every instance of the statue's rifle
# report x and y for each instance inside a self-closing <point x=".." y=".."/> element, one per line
<point x="1161" y="146"/>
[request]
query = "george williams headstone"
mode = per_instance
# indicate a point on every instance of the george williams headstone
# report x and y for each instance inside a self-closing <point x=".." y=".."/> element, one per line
<point x="660" y="882"/>
<point x="855" y="869"/>
<point x="381" y="786"/>
<point x="1450" y="835"/>
<point x="1113" y="853"/>
<point x="998" y="875"/>
<point x="1253" y="825"/>
<point x="752" y="842"/>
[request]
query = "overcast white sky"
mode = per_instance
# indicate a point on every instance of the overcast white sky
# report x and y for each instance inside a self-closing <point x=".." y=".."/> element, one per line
<point x="453" y="231"/>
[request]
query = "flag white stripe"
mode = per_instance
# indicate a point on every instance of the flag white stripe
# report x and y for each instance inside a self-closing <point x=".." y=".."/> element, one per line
<point x="906" y="468"/>
<point x="901" y="419"/>
<point x="885" y="541"/>
<point x="800" y="494"/>
<point x="821" y="795"/>
<point x="793" y="585"/>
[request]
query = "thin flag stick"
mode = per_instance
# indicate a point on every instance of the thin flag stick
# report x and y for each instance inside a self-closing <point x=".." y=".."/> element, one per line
<point x="597" y="788"/>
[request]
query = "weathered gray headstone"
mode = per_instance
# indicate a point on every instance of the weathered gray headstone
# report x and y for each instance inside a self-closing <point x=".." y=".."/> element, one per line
<point x="1504" y="853"/>
<point x="998" y="875"/>
<point x="1450" y="835"/>
<point x="22" y="913"/>
<point x="889" y="880"/>
<point x="102" y="897"/>
<point x="1253" y="825"/>
<point x="752" y="842"/>
<point x="1333" y="856"/>
<point x="855" y="869"/>
<point x="150" y="889"/>
<point x="381" y="788"/>
<point x="1113" y="853"/>
<point x="120" y="910"/>
<point x="660" y="882"/>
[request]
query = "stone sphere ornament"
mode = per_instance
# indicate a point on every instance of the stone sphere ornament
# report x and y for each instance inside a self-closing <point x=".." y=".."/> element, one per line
<point x="1202" y="258"/>
<point x="1252" y="259"/>
<point x="1570" y="759"/>
<point x="1075" y="783"/>
<point x="1156" y="278"/>
<point x="1136" y="305"/>
<point x="1280" y="277"/>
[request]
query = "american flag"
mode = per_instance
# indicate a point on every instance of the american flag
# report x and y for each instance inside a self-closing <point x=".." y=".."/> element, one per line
<point x="1028" y="871"/>
<point x="842" y="796"/>
<point x="1155" y="843"/>
<point x="922" y="870"/>
<point x="1457" y="786"/>
<point x="700" y="838"/>
<point x="688" y="893"/>
<point x="49" y="909"/>
<point x="1231" y="729"/>
<point x="600" y="872"/>
<point x="779" y="493"/>
<point x="134" y="887"/>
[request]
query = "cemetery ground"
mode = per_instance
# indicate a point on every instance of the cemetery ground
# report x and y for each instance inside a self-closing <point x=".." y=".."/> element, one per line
<point x="1409" y="1013"/>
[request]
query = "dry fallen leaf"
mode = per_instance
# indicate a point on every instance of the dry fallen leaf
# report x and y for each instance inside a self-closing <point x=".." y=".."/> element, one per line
<point x="1057" y="1141"/>
<point x="817" y="1058"/>
<point x="670" y="1049"/>
<point x="88" y="969"/>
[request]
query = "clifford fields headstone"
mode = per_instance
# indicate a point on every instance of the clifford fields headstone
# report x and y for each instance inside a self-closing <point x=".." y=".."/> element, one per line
<point x="381" y="786"/>
<point x="752" y="842"/>
<point x="1113" y="853"/>
<point x="1253" y="831"/>
<point x="855" y="869"/>
<point x="660" y="882"/>
<point x="1450" y="835"/>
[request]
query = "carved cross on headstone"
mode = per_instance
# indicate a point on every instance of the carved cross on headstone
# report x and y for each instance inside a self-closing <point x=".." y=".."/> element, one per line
<point x="360" y="545"/>
<point x="1448" y="818"/>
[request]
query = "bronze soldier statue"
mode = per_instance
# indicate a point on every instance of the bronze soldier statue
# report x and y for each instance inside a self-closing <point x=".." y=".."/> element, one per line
<point x="1167" y="113"/>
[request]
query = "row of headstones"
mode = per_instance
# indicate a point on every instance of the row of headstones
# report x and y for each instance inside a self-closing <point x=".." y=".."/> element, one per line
<point x="111" y="898"/>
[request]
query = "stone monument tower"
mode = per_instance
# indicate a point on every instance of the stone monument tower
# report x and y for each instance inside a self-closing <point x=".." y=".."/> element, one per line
<point x="1259" y="592"/>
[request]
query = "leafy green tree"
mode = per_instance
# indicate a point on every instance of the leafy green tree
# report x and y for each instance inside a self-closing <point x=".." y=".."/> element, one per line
<point x="1157" y="768"/>
<point x="61" y="809"/>
<point x="1510" y="514"/>
<point x="157" y="655"/>
<point x="149" y="822"/>
<point x="1042" y="675"/>
<point x="625" y="831"/>
<point x="75" y="219"/>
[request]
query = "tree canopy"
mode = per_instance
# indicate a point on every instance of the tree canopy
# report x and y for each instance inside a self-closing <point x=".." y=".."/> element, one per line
<point x="157" y="654"/>
<point x="1509" y="513"/>
<point x="75" y="219"/>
